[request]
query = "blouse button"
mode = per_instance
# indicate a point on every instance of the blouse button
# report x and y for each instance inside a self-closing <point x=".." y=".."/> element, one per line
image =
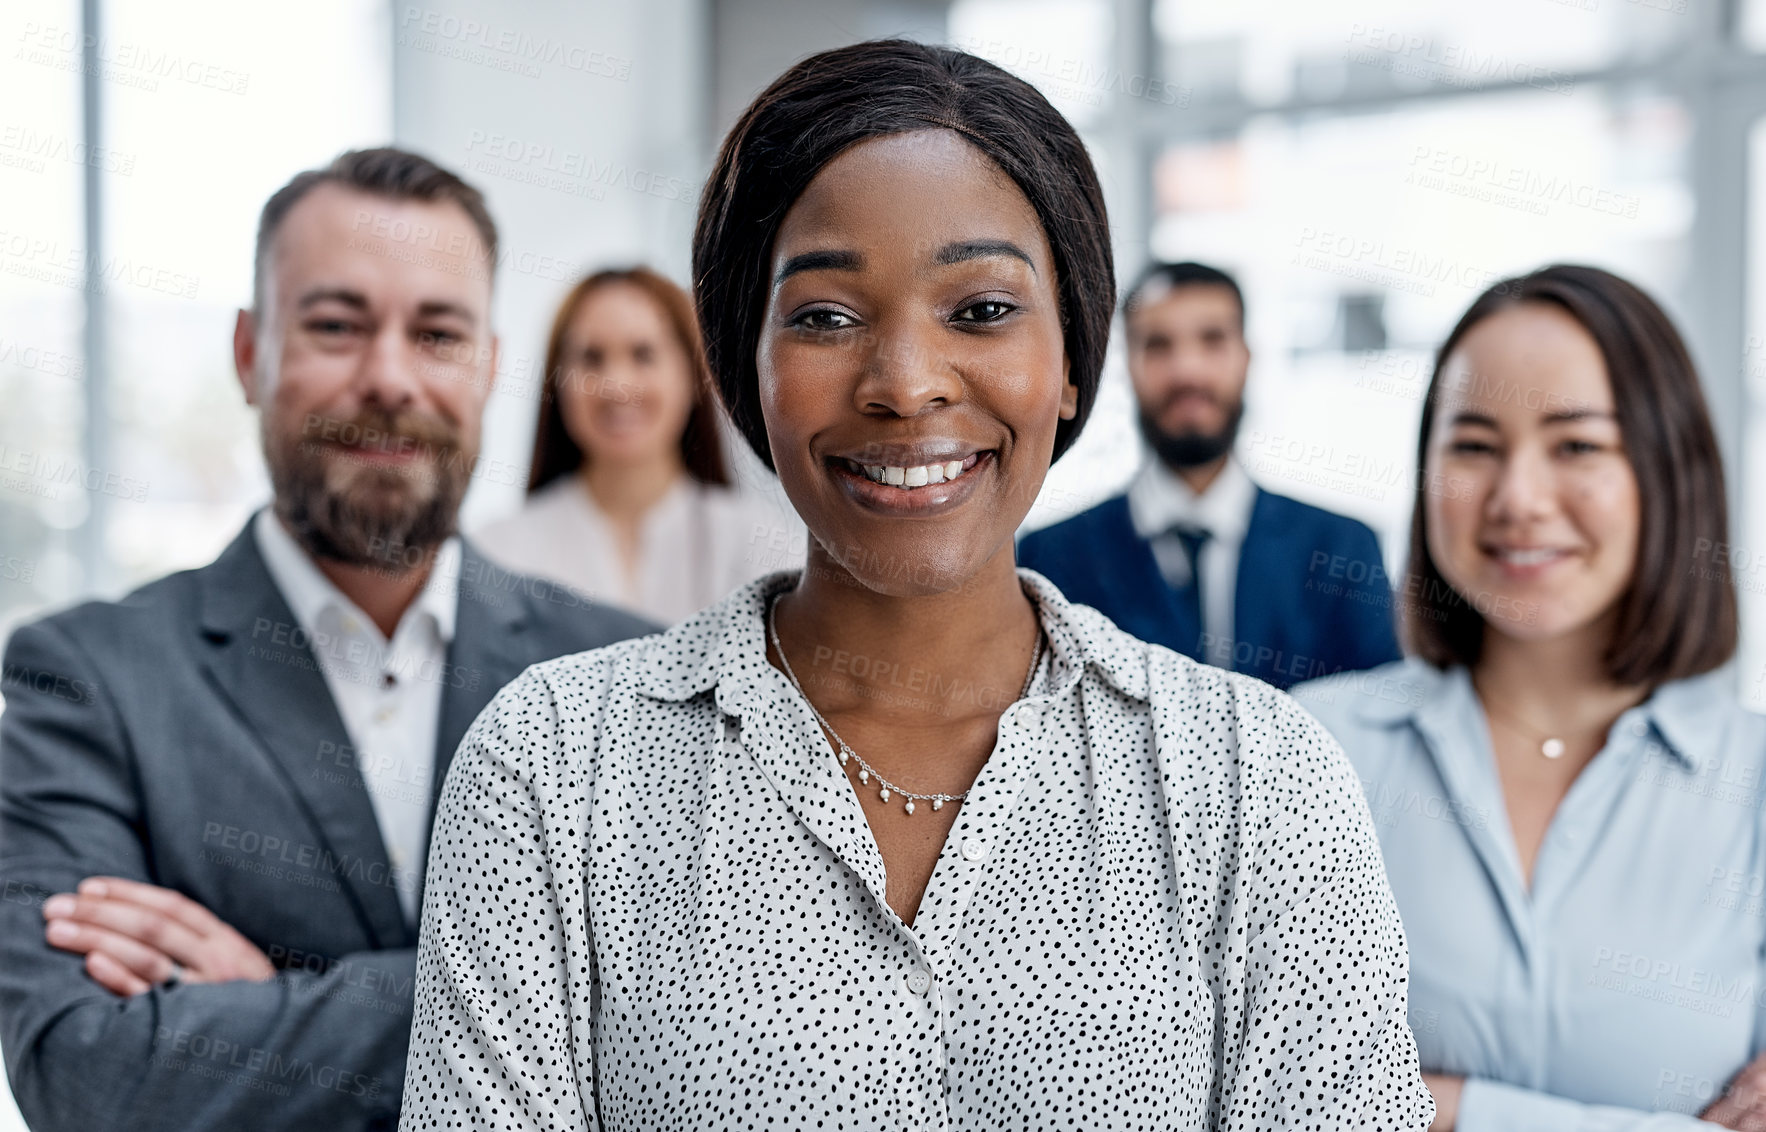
<point x="974" y="849"/>
<point x="918" y="981"/>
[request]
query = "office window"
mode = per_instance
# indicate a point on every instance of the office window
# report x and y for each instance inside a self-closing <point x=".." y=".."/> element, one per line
<point x="1747" y="558"/>
<point x="1061" y="47"/>
<point x="260" y="95"/>
<point x="1752" y="24"/>
<point x="1362" y="238"/>
<point x="42" y="252"/>
<point x="1274" y="51"/>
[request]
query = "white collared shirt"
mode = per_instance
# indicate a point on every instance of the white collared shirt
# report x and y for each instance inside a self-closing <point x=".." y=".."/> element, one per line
<point x="654" y="900"/>
<point x="388" y="693"/>
<point x="1159" y="499"/>
<point x="698" y="542"/>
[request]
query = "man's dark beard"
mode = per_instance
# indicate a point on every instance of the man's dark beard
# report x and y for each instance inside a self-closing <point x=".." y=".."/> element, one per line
<point x="1191" y="449"/>
<point x="388" y="517"/>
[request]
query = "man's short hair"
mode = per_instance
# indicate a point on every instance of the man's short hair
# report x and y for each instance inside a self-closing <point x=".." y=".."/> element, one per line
<point x="1168" y="276"/>
<point x="397" y="174"/>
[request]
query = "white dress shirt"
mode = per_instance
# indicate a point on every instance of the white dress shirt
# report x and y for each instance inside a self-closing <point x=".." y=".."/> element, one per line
<point x="388" y="693"/>
<point x="1159" y="499"/>
<point x="699" y="542"/>
<point x="655" y="902"/>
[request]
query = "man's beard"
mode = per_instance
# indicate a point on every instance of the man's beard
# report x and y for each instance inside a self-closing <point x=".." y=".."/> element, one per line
<point x="1185" y="450"/>
<point x="348" y="510"/>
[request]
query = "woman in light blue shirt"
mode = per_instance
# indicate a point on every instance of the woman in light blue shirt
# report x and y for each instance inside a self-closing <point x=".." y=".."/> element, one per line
<point x="1568" y="795"/>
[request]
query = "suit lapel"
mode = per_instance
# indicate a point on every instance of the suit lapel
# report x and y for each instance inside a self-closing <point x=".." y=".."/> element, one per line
<point x="259" y="658"/>
<point x="1158" y="616"/>
<point x="489" y="649"/>
<point x="1254" y="611"/>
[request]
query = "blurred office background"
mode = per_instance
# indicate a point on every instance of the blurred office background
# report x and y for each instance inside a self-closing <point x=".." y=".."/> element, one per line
<point x="1365" y="167"/>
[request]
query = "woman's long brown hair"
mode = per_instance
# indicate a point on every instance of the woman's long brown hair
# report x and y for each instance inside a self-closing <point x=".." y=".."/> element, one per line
<point x="556" y="453"/>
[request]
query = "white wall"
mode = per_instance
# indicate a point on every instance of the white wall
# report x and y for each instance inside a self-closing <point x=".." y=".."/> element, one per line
<point x="754" y="41"/>
<point x="583" y="122"/>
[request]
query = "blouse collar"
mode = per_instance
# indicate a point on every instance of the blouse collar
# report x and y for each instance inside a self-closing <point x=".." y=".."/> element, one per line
<point x="709" y="648"/>
<point x="1688" y="716"/>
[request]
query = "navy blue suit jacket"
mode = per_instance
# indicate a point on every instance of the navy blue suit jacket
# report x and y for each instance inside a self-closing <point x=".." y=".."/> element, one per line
<point x="1312" y="595"/>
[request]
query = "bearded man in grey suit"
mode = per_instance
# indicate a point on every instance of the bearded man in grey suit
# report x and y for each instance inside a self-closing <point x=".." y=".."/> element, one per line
<point x="215" y="794"/>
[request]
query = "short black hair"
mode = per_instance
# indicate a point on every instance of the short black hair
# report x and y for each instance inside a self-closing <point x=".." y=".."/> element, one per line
<point x="1184" y="274"/>
<point x="1679" y="616"/>
<point x="830" y="102"/>
<point x="397" y="174"/>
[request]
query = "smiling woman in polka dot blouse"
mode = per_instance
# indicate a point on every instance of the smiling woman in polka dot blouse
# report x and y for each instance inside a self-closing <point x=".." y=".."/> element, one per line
<point x="905" y="840"/>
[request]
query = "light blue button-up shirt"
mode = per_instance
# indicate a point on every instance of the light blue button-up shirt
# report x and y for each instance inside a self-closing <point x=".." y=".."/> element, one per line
<point x="1625" y="989"/>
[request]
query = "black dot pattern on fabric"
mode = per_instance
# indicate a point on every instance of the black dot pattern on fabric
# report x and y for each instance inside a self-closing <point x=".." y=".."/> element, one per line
<point x="654" y="902"/>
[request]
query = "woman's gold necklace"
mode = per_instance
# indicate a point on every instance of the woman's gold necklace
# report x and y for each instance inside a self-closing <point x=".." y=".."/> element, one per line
<point x="1551" y="746"/>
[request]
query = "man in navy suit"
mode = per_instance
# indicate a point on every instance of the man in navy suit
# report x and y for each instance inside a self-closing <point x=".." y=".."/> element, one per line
<point x="1194" y="555"/>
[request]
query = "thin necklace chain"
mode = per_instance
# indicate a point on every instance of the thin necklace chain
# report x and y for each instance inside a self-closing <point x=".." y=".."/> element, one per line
<point x="1550" y="745"/>
<point x="866" y="771"/>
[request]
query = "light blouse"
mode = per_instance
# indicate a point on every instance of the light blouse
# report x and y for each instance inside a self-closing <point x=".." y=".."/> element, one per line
<point x="698" y="542"/>
<point x="654" y="902"/>
<point x="1621" y="990"/>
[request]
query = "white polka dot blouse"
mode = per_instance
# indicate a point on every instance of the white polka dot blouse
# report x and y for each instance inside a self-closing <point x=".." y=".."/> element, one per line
<point x="653" y="902"/>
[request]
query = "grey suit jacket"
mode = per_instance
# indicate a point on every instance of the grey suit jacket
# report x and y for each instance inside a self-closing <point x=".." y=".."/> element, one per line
<point x="184" y="737"/>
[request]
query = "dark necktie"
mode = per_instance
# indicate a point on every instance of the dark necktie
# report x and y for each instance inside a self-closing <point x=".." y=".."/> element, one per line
<point x="1190" y="596"/>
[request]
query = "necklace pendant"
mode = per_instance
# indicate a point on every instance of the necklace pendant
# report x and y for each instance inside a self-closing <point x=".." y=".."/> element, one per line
<point x="846" y="753"/>
<point x="1552" y="748"/>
